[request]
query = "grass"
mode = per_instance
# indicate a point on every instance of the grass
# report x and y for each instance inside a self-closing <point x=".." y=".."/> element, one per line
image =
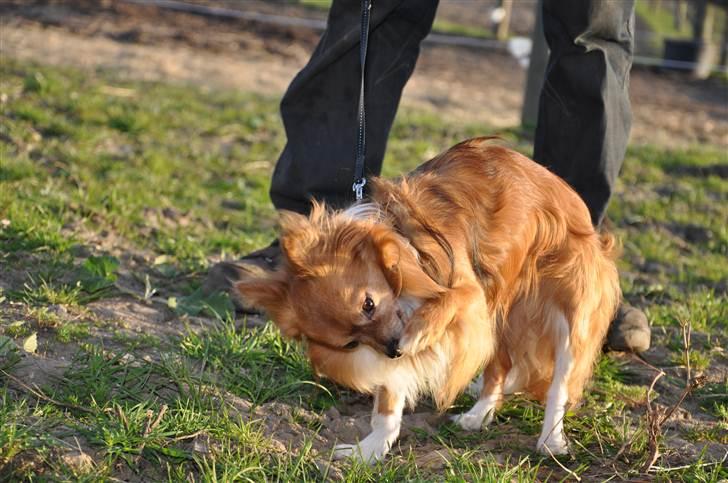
<point x="453" y="28"/>
<point x="440" y="26"/>
<point x="120" y="194"/>
<point x="661" y="20"/>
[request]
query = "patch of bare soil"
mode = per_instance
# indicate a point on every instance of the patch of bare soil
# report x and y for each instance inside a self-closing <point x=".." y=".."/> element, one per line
<point x="457" y="83"/>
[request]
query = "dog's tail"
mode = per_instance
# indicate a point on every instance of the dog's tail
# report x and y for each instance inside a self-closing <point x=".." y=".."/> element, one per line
<point x="598" y="303"/>
<point x="610" y="244"/>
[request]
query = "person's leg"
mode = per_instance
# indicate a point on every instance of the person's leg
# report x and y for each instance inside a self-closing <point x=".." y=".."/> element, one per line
<point x="584" y="116"/>
<point x="319" y="110"/>
<point x="584" y="111"/>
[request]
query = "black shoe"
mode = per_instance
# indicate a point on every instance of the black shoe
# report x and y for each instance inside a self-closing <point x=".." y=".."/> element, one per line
<point x="223" y="275"/>
<point x="629" y="331"/>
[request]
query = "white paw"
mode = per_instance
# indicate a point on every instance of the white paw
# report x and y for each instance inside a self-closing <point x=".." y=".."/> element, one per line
<point x="553" y="445"/>
<point x="368" y="450"/>
<point x="472" y="422"/>
<point x="342" y="451"/>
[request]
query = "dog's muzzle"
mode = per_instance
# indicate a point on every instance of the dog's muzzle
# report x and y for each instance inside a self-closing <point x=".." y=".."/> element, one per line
<point x="393" y="350"/>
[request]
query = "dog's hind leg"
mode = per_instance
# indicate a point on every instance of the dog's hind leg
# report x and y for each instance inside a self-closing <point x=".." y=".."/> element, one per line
<point x="491" y="395"/>
<point x="386" y="421"/>
<point x="552" y="439"/>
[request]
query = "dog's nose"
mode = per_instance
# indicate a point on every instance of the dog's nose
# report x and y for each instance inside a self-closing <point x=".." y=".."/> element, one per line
<point x="393" y="350"/>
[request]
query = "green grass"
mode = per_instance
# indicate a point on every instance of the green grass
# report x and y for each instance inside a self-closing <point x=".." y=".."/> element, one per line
<point x="439" y="26"/>
<point x="126" y="199"/>
<point x="661" y="20"/>
<point x="258" y="365"/>
<point x="452" y="28"/>
<point x="661" y="23"/>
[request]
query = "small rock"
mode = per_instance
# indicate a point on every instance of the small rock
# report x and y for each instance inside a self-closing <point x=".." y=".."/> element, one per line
<point x="232" y="204"/>
<point x="57" y="310"/>
<point x="201" y="444"/>
<point x="170" y="213"/>
<point x="328" y="471"/>
<point x="697" y="234"/>
<point x="433" y="460"/>
<point x="127" y="358"/>
<point x="653" y="267"/>
<point x="332" y="413"/>
<point x="346" y="430"/>
<point x="363" y="425"/>
<point x="278" y="446"/>
<point x="79" y="461"/>
<point x="80" y="251"/>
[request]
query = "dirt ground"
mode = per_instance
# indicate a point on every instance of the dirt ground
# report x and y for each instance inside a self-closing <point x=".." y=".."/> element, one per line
<point x="459" y="83"/>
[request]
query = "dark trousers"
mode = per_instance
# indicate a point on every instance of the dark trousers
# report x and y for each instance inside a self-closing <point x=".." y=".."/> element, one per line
<point x="584" y="111"/>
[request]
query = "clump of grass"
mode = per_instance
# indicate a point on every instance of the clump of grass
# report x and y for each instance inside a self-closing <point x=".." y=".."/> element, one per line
<point x="43" y="292"/>
<point x="18" y="329"/>
<point x="44" y="318"/>
<point x="72" y="332"/>
<point x="136" y="341"/>
<point x="14" y="437"/>
<point x="257" y="364"/>
<point x="98" y="377"/>
<point x="9" y="354"/>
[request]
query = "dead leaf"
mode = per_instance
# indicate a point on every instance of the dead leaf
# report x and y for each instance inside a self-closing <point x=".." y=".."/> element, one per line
<point x="30" y="344"/>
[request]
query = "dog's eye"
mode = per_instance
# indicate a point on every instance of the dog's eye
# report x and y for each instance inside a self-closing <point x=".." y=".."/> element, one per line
<point x="368" y="306"/>
<point x="352" y="345"/>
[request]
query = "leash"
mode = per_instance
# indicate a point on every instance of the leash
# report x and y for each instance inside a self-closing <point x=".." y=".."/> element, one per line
<point x="361" y="142"/>
<point x="361" y="145"/>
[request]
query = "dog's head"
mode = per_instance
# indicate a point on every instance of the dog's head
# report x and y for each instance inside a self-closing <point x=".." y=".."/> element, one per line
<point x="340" y="284"/>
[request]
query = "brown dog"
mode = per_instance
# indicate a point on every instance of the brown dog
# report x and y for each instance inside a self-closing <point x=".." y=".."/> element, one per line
<point x="480" y="257"/>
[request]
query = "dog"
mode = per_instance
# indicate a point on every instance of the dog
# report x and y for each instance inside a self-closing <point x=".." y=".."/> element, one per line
<point x="478" y="259"/>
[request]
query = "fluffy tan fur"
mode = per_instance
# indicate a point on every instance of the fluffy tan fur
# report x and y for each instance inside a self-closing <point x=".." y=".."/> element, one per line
<point x="467" y="258"/>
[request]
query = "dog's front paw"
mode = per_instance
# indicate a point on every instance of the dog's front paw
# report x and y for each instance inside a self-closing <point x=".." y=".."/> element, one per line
<point x="417" y="336"/>
<point x="426" y="326"/>
<point x="472" y="422"/>
<point x="412" y="342"/>
<point x="342" y="451"/>
<point x="369" y="450"/>
<point x="555" y="445"/>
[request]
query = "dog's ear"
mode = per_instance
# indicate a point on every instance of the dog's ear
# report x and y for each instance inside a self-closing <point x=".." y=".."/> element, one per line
<point x="298" y="236"/>
<point x="400" y="266"/>
<point x="389" y="253"/>
<point x="271" y="295"/>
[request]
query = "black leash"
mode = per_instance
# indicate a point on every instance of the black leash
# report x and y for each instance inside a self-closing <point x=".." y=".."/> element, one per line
<point x="361" y="142"/>
<point x="361" y="146"/>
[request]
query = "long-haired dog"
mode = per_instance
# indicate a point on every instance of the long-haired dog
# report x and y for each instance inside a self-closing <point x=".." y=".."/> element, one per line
<point x="479" y="258"/>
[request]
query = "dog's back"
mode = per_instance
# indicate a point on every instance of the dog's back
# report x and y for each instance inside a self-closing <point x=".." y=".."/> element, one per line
<point x="529" y="240"/>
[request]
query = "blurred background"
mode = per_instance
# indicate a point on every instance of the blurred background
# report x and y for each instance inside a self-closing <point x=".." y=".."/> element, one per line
<point x="473" y="66"/>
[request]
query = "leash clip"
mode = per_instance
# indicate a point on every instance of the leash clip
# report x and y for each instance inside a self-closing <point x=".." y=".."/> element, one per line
<point x="358" y="188"/>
